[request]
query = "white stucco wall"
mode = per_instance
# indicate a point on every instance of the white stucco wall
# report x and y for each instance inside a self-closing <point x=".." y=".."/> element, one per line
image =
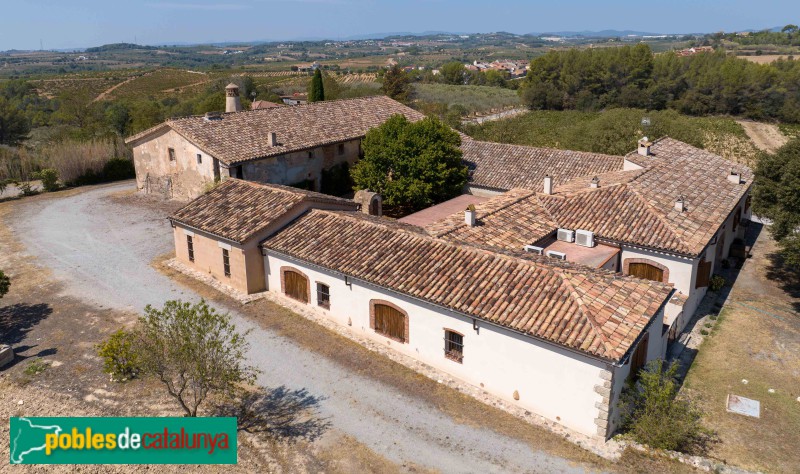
<point x="551" y="380"/>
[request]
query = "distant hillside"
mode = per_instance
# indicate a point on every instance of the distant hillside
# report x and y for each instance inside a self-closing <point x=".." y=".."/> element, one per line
<point x="117" y="47"/>
<point x="597" y="34"/>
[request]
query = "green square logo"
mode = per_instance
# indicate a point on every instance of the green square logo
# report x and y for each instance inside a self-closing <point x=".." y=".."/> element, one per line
<point x="106" y="440"/>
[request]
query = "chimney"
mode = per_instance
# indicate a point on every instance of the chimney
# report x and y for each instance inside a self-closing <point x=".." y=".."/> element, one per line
<point x="371" y="203"/>
<point x="595" y="182"/>
<point x="232" y="101"/>
<point x="548" y="184"/>
<point x="679" y="204"/>
<point x="644" y="146"/>
<point x="469" y="215"/>
<point x="273" y="139"/>
<point x="735" y="177"/>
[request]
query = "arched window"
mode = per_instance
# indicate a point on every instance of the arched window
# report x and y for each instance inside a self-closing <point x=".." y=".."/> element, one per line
<point x="295" y="284"/>
<point x="646" y="271"/>
<point x="389" y="320"/>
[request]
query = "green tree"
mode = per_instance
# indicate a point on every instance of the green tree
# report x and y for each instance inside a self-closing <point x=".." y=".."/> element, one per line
<point x="453" y="73"/>
<point x="316" y="89"/>
<point x="14" y="126"/>
<point x="396" y="84"/>
<point x="776" y="196"/>
<point x="412" y="165"/>
<point x="194" y="351"/>
<point x="655" y="414"/>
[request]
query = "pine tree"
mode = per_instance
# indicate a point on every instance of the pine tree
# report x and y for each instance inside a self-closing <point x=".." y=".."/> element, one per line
<point x="316" y="90"/>
<point x="396" y="84"/>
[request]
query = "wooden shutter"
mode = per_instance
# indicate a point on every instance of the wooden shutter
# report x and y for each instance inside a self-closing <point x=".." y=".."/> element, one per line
<point x="646" y="271"/>
<point x="296" y="286"/>
<point x="390" y="322"/>
<point x="639" y="357"/>
<point x="703" y="274"/>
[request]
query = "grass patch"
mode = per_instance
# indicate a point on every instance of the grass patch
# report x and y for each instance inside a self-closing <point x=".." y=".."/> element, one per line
<point x="791" y="130"/>
<point x="616" y="131"/>
<point x="471" y="98"/>
<point x="35" y="367"/>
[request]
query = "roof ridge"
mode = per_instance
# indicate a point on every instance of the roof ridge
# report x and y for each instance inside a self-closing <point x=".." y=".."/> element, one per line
<point x="583" y="308"/>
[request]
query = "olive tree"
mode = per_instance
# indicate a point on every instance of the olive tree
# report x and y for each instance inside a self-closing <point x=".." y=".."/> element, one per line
<point x="194" y="351"/>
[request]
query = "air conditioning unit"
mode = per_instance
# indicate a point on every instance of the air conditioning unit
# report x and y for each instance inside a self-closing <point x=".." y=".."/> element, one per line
<point x="558" y="255"/>
<point x="566" y="235"/>
<point x="584" y="238"/>
<point x="533" y="249"/>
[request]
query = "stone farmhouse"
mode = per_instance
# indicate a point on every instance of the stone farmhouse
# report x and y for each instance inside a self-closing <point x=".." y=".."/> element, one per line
<point x="568" y="272"/>
<point x="181" y="158"/>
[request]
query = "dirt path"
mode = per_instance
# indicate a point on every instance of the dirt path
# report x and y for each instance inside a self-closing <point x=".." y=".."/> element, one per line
<point x="111" y="89"/>
<point x="766" y="136"/>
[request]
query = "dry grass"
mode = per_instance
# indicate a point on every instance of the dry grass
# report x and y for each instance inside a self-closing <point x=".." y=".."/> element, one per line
<point x="757" y="339"/>
<point x="74" y="159"/>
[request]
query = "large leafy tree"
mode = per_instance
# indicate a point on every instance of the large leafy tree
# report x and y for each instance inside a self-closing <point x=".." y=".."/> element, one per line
<point x="777" y="197"/>
<point x="453" y="73"/>
<point x="193" y="350"/>
<point x="316" y="89"/>
<point x="396" y="83"/>
<point x="412" y="165"/>
<point x="14" y="126"/>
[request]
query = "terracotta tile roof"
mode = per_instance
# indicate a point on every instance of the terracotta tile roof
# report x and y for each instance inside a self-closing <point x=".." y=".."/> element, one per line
<point x="635" y="207"/>
<point x="502" y="166"/>
<point x="242" y="136"/>
<point x="597" y="313"/>
<point x="499" y="222"/>
<point x="236" y="210"/>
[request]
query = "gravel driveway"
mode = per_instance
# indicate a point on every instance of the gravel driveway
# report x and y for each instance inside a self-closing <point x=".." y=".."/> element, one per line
<point x="102" y="250"/>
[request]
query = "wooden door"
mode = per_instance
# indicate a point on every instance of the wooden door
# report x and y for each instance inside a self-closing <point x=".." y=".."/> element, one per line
<point x="646" y="271"/>
<point x="639" y="357"/>
<point x="296" y="286"/>
<point x="390" y="322"/>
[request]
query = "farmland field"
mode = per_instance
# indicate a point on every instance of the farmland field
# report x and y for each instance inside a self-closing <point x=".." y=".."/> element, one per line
<point x="475" y="99"/>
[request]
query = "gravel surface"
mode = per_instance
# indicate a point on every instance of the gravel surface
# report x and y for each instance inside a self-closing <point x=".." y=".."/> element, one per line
<point x="101" y="249"/>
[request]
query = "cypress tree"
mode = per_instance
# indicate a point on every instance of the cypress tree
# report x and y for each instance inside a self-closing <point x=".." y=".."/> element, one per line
<point x="316" y="91"/>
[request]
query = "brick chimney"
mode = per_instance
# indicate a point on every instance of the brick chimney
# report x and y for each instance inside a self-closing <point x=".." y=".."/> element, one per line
<point x="548" y="184"/>
<point x="735" y="177"/>
<point x="273" y="139"/>
<point x="595" y="182"/>
<point x="644" y="147"/>
<point x="232" y="101"/>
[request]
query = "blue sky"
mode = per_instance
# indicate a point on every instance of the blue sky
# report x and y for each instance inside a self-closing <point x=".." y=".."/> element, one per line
<point x="81" y="23"/>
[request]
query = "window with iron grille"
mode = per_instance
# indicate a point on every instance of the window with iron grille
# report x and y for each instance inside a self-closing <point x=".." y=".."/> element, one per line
<point x="323" y="295"/>
<point x="454" y="345"/>
<point x="226" y="262"/>
<point x="171" y="152"/>
<point x="190" y="246"/>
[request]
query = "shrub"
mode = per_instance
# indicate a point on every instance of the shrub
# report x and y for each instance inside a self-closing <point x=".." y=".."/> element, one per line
<point x="27" y="189"/>
<point x="119" y="357"/>
<point x="117" y="169"/>
<point x="716" y="283"/>
<point x="704" y="332"/>
<point x="49" y="178"/>
<point x="653" y="413"/>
